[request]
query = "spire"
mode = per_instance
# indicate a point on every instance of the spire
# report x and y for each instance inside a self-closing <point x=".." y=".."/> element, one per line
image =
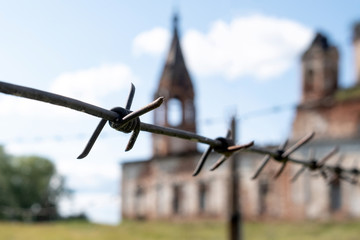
<point x="321" y="41"/>
<point x="175" y="21"/>
<point x="175" y="73"/>
<point x="176" y="86"/>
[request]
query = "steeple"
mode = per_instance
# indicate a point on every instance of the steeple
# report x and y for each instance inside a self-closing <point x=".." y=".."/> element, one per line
<point x="178" y="110"/>
<point x="319" y="70"/>
<point x="175" y="22"/>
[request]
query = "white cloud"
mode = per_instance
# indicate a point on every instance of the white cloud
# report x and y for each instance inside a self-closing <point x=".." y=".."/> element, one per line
<point x="88" y="85"/>
<point x="152" y="42"/>
<point x="256" y="45"/>
<point x="99" y="207"/>
<point x="89" y="175"/>
<point x="94" y="83"/>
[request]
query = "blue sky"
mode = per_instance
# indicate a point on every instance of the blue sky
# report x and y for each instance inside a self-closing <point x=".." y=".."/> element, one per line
<point x="243" y="56"/>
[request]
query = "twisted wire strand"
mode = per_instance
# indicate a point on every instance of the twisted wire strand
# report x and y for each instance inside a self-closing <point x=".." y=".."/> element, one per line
<point x="126" y="121"/>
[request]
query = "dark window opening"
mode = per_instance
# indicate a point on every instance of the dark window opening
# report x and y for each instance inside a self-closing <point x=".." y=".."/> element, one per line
<point x="177" y="199"/>
<point x="140" y="203"/>
<point x="309" y="81"/>
<point x="189" y="112"/>
<point x="335" y="195"/>
<point x="263" y="192"/>
<point x="203" y="195"/>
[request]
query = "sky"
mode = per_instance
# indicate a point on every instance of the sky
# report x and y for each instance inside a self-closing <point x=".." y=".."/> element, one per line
<point x="243" y="57"/>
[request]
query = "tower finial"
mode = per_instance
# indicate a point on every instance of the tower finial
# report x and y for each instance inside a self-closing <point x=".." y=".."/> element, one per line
<point x="175" y="20"/>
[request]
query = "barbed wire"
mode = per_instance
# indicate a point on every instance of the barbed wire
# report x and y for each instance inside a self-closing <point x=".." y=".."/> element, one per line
<point x="127" y="121"/>
<point x="205" y="121"/>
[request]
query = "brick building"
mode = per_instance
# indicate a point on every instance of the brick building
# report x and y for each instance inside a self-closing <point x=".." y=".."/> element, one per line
<point x="333" y="112"/>
<point x="163" y="187"/>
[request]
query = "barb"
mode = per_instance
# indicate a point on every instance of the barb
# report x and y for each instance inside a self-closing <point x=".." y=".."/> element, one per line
<point x="202" y="161"/>
<point x="121" y="119"/>
<point x="127" y="121"/>
<point x="281" y="155"/>
<point x="315" y="164"/>
<point x="227" y="148"/>
<point x="231" y="149"/>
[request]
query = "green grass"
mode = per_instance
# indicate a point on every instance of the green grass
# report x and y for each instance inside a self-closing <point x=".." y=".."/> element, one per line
<point x="130" y="230"/>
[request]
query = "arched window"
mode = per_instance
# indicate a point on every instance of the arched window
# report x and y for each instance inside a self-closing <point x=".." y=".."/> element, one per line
<point x="203" y="195"/>
<point x="175" y="113"/>
<point x="189" y="112"/>
<point x="309" y="80"/>
<point x="177" y="199"/>
<point x="140" y="203"/>
<point x="335" y="195"/>
<point x="263" y="190"/>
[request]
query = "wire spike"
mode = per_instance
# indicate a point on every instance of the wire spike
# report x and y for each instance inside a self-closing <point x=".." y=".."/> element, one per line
<point x="134" y="136"/>
<point x="239" y="147"/>
<point x="264" y="162"/>
<point x="93" y="138"/>
<point x="283" y="146"/>
<point x="142" y="111"/>
<point x="202" y="160"/>
<point x="280" y="170"/>
<point x="298" y="173"/>
<point x="322" y="161"/>
<point x="130" y="97"/>
<point x="218" y="163"/>
<point x="298" y="144"/>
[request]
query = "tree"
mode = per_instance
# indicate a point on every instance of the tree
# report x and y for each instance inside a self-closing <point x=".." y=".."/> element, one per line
<point x="6" y="198"/>
<point x="30" y="188"/>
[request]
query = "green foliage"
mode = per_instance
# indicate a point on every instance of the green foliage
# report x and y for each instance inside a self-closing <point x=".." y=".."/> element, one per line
<point x="6" y="196"/>
<point x="348" y="94"/>
<point x="29" y="188"/>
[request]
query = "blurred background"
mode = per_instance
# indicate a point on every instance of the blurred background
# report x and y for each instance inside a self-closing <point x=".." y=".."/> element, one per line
<point x="243" y="58"/>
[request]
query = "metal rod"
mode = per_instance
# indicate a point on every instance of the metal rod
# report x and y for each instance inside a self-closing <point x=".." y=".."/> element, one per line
<point x="109" y="115"/>
<point x="235" y="215"/>
<point x="327" y="157"/>
<point x="77" y="105"/>
<point x="143" y="110"/>
<point x="93" y="138"/>
<point x="263" y="163"/>
<point x="202" y="161"/>
<point x="172" y="132"/>
<point x="297" y="145"/>
<point x="130" y="97"/>
<point x="220" y="161"/>
<point x="56" y="99"/>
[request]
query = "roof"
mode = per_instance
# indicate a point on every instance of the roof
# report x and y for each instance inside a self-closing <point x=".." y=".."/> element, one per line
<point x="319" y="44"/>
<point x="175" y="79"/>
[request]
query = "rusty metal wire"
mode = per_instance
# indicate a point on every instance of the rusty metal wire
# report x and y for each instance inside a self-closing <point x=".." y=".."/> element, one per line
<point x="127" y="121"/>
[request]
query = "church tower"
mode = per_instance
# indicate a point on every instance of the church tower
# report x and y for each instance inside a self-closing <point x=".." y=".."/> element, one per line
<point x="178" y="109"/>
<point x="319" y="70"/>
<point x="356" y="42"/>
